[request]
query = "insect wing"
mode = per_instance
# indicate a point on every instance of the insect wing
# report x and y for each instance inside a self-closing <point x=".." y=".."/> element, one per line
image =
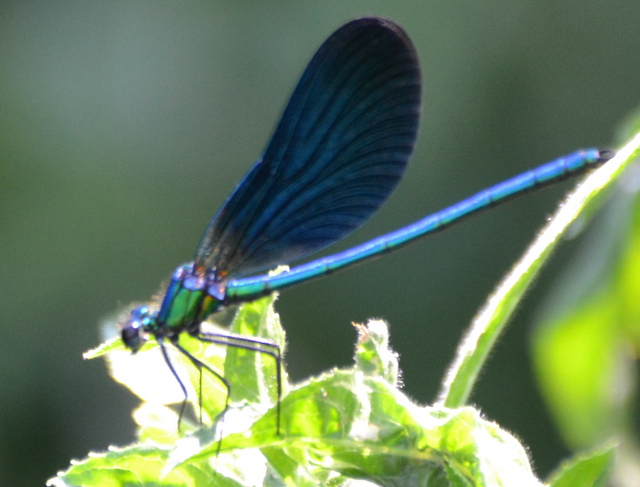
<point x="340" y="148"/>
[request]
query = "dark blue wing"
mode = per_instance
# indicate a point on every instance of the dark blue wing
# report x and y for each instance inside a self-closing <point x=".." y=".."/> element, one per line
<point x="341" y="147"/>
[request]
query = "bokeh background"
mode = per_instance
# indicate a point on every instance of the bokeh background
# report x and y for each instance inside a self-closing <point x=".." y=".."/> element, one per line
<point x="124" y="126"/>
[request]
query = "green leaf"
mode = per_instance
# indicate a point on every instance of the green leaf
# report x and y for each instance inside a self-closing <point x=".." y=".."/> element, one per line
<point x="585" y="470"/>
<point x="361" y="427"/>
<point x="253" y="375"/>
<point x="104" y="349"/>
<point x="578" y="361"/>
<point x="133" y="466"/>
<point x="346" y="424"/>
<point x="585" y="347"/>
<point x="488" y="325"/>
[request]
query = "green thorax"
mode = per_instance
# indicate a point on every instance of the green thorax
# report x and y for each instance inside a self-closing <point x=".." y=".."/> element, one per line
<point x="190" y="298"/>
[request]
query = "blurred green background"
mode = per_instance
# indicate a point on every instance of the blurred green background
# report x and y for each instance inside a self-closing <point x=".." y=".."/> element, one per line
<point x="124" y="126"/>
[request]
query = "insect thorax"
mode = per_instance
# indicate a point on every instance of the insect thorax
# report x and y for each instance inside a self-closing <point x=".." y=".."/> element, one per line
<point x="189" y="299"/>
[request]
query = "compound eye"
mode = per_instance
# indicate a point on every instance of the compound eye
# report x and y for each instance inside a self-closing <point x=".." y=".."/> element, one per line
<point x="132" y="337"/>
